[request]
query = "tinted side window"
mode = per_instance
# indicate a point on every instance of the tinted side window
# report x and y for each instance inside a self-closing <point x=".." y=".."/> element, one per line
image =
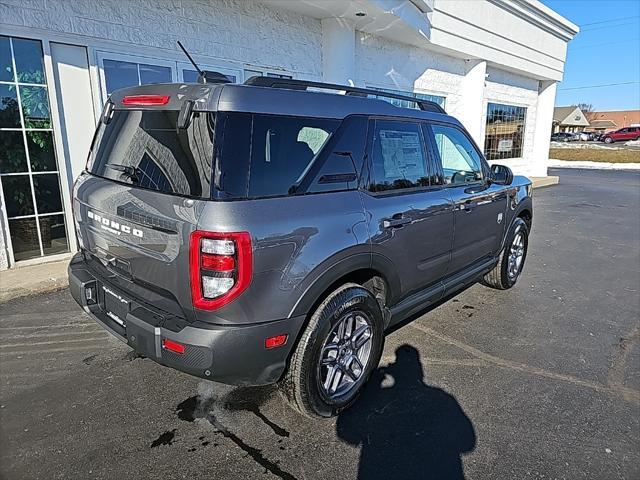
<point x="398" y="159"/>
<point x="460" y="161"/>
<point x="342" y="165"/>
<point x="282" y="151"/>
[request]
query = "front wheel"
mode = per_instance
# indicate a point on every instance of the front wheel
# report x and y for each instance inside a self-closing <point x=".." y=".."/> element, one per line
<point x="608" y="140"/>
<point x="506" y="273"/>
<point x="337" y="353"/>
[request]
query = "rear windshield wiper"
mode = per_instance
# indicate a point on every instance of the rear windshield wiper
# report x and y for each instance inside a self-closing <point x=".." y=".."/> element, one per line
<point x="127" y="170"/>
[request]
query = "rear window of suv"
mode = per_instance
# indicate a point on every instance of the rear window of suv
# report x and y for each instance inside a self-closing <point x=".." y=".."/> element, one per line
<point x="267" y="155"/>
<point x="144" y="148"/>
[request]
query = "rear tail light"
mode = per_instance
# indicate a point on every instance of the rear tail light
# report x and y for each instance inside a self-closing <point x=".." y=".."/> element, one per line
<point x="221" y="266"/>
<point x="145" y="100"/>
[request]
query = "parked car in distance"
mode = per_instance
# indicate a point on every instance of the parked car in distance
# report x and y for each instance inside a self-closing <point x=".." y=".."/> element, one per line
<point x="622" y="134"/>
<point x="563" y="137"/>
<point x="594" y="136"/>
<point x="265" y="233"/>
<point x="583" y="136"/>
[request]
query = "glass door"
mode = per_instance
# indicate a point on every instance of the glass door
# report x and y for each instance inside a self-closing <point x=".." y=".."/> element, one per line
<point x="30" y="181"/>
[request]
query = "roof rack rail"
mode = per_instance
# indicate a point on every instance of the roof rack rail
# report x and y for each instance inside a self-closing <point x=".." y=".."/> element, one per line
<point x="292" y="84"/>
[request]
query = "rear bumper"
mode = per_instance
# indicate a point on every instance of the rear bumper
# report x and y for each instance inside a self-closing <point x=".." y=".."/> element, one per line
<point x="233" y="355"/>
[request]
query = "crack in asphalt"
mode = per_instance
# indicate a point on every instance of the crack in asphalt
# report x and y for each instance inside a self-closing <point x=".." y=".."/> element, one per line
<point x="615" y="377"/>
<point x="628" y="394"/>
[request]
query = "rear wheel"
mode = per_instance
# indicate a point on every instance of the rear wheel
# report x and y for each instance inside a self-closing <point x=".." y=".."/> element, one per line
<point x="336" y="354"/>
<point x="506" y="273"/>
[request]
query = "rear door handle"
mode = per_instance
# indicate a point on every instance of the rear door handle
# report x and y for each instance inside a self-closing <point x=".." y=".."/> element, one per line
<point x="396" y="222"/>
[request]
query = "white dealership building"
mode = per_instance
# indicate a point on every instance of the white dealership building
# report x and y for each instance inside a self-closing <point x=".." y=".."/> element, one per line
<point x="494" y="64"/>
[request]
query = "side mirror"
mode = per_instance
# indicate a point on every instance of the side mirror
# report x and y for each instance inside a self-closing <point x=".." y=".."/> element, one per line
<point x="501" y="174"/>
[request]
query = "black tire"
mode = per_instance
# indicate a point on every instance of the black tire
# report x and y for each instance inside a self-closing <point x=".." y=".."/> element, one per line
<point x="608" y="140"/>
<point x="301" y="383"/>
<point x="499" y="276"/>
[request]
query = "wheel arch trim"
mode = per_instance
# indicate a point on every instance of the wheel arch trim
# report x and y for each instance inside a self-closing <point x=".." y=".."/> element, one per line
<point x="328" y="275"/>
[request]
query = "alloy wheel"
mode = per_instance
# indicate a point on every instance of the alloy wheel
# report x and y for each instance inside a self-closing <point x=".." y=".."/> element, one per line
<point x="516" y="255"/>
<point x="345" y="355"/>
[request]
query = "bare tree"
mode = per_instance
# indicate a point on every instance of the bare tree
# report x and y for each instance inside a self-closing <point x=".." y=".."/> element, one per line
<point x="585" y="107"/>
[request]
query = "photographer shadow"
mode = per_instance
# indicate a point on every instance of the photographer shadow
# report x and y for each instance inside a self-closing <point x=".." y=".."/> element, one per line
<point x="406" y="428"/>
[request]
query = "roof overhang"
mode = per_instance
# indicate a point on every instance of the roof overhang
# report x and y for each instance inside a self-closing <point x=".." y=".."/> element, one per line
<point x="404" y="21"/>
<point x="522" y="36"/>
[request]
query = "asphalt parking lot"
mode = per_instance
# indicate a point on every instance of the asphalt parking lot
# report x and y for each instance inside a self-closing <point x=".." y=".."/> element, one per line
<point x="542" y="381"/>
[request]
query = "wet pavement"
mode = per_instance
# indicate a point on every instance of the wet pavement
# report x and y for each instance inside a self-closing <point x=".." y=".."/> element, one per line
<point x="542" y="381"/>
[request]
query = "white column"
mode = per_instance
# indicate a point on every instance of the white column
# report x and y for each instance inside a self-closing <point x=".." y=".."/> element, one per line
<point x="338" y="51"/>
<point x="543" y="127"/>
<point x="472" y="91"/>
<point x="75" y="104"/>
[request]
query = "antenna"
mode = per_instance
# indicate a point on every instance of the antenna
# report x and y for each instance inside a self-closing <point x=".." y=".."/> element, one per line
<point x="200" y="72"/>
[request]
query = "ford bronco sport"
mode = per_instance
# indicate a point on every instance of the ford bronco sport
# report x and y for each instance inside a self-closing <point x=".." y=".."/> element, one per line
<point x="273" y="231"/>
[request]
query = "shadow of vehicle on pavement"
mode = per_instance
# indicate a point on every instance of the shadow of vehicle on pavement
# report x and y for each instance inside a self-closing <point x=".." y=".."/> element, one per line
<point x="406" y="428"/>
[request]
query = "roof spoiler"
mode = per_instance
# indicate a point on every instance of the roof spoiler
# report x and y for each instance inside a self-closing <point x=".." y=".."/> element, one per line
<point x="292" y="84"/>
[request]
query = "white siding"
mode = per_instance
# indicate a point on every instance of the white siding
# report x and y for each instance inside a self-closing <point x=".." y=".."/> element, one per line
<point x="235" y="30"/>
<point x="384" y="63"/>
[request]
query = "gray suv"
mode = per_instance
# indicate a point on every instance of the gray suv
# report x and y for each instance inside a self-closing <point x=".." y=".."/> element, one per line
<point x="274" y="231"/>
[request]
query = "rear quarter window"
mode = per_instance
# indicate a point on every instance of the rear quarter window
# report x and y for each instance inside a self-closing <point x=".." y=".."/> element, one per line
<point x="267" y="155"/>
<point x="282" y="151"/>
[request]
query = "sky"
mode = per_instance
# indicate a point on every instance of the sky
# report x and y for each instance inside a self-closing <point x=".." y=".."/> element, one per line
<point x="606" y="51"/>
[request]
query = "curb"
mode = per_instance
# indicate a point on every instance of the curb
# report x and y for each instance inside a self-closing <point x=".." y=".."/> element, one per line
<point x="541" y="182"/>
<point x="33" y="280"/>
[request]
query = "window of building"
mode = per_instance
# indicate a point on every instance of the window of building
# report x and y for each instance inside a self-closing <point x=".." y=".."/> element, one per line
<point x="504" y="135"/>
<point x="120" y="74"/>
<point x="406" y="104"/>
<point x="460" y="160"/>
<point x="28" y="166"/>
<point x="190" y="75"/>
<point x="398" y="159"/>
<point x="251" y="72"/>
<point x="121" y="71"/>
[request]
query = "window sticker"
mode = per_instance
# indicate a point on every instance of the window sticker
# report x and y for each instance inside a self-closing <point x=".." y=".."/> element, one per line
<point x="402" y="154"/>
